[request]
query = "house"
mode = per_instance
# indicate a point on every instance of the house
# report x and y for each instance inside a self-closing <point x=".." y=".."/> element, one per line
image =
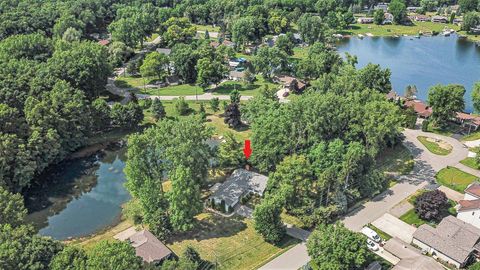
<point x="173" y="80"/>
<point x="382" y="6"/>
<point x="469" y="121"/>
<point x="453" y="241"/>
<point x="388" y="18"/>
<point x="409" y="257"/>
<point x="236" y="75"/>
<point x="420" y="18"/>
<point x="458" y="21"/>
<point x="392" y="95"/>
<point x="469" y="207"/>
<point x="165" y="51"/>
<point x="104" y="42"/>
<point x="365" y="20"/>
<point x="146" y="245"/>
<point x="439" y="19"/>
<point x="238" y="185"/>
<point x="291" y="83"/>
<point x="419" y="107"/>
<point x="413" y="9"/>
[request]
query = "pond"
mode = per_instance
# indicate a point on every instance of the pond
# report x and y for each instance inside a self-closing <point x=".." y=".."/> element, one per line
<point x="424" y="62"/>
<point x="83" y="196"/>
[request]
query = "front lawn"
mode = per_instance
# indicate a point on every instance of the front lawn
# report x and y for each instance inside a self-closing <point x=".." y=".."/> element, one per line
<point x="436" y="147"/>
<point x="470" y="162"/>
<point x="397" y="160"/>
<point x="245" y="89"/>
<point x="174" y="90"/>
<point x="393" y="29"/>
<point x="133" y="81"/>
<point x="472" y="136"/>
<point x="231" y="242"/>
<point x="455" y="179"/>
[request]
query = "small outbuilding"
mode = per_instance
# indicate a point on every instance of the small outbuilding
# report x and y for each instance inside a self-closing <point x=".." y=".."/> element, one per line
<point x="146" y="245"/>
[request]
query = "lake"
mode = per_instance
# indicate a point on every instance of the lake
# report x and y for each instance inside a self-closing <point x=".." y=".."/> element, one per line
<point x="83" y="196"/>
<point x="424" y="62"/>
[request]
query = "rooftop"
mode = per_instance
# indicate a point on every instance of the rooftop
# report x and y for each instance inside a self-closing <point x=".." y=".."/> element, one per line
<point x="469" y="205"/>
<point x="452" y="237"/>
<point x="149" y="247"/>
<point x="473" y="189"/>
<point x="238" y="183"/>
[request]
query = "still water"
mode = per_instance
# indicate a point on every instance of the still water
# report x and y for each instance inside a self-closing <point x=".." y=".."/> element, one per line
<point x="84" y="196"/>
<point x="424" y="62"/>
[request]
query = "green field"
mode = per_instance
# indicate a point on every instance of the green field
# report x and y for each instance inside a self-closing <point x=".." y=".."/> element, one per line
<point x="393" y="29"/>
<point x="230" y="242"/>
<point x="455" y="179"/>
<point x="133" y="82"/>
<point x="470" y="162"/>
<point x="174" y="90"/>
<point x="434" y="147"/>
<point x="245" y="89"/>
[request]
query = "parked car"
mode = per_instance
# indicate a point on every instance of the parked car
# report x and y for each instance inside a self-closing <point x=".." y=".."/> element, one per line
<point x="371" y="234"/>
<point x="372" y="245"/>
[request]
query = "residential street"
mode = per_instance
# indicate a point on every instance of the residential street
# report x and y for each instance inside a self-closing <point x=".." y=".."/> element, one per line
<point x="423" y="174"/>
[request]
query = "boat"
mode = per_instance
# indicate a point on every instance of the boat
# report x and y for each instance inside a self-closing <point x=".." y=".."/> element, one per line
<point x="395" y="36"/>
<point x="369" y="34"/>
<point x="417" y="36"/>
<point x="446" y="33"/>
<point x="360" y="36"/>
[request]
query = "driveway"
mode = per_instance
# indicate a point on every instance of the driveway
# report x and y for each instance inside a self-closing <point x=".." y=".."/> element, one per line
<point x="292" y="259"/>
<point x="395" y="227"/>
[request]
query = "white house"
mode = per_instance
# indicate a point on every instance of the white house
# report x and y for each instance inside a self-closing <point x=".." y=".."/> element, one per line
<point x="469" y="210"/>
<point x="239" y="184"/>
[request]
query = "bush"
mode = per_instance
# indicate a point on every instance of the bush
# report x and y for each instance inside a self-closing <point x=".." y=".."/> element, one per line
<point x="181" y="106"/>
<point x="425" y="124"/>
<point x="431" y="205"/>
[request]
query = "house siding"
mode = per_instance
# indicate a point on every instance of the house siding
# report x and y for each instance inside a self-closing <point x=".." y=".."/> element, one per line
<point x="438" y="254"/>
<point x="470" y="216"/>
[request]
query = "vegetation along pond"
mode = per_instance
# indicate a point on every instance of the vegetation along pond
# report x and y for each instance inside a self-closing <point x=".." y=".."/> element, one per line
<point x="84" y="197"/>
<point x="424" y="61"/>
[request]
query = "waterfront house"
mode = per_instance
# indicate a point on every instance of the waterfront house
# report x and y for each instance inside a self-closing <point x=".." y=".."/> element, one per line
<point x="420" y="108"/>
<point x="382" y="6"/>
<point x="241" y="183"/>
<point x="420" y="18"/>
<point x="236" y="75"/>
<point x="413" y="9"/>
<point x="146" y="245"/>
<point x="291" y="83"/>
<point x="388" y="18"/>
<point x="439" y="19"/>
<point x="365" y="20"/>
<point x="469" y="208"/>
<point x="453" y="241"/>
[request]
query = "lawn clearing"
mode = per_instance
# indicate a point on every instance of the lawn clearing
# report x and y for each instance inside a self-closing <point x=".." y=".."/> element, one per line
<point x="133" y="82"/>
<point x="230" y="242"/>
<point x="470" y="162"/>
<point x="412" y="218"/>
<point x="245" y="89"/>
<point x="396" y="160"/>
<point x="107" y="234"/>
<point x="174" y="90"/>
<point x="437" y="147"/>
<point x="455" y="179"/>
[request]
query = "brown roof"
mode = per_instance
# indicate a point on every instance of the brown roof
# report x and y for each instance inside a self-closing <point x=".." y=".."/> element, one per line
<point x="452" y="237"/>
<point x="419" y="107"/>
<point x="288" y="80"/>
<point x="392" y="95"/>
<point x="149" y="247"/>
<point x="469" y="205"/>
<point x="473" y="189"/>
<point x="104" y="42"/>
<point x="468" y="117"/>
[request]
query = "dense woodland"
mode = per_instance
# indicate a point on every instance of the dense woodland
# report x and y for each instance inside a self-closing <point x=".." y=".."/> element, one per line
<point x="318" y="150"/>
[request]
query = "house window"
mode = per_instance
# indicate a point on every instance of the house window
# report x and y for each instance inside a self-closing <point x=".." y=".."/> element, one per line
<point x="473" y="213"/>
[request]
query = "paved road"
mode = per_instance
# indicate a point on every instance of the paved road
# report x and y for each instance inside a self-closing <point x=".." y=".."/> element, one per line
<point x="423" y="174"/>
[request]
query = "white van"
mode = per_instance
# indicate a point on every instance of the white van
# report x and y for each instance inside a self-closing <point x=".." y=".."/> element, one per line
<point x="371" y="234"/>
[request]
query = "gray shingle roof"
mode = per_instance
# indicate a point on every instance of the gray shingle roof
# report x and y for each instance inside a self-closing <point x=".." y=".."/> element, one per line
<point x="452" y="237"/>
<point x="149" y="247"/>
<point x="238" y="184"/>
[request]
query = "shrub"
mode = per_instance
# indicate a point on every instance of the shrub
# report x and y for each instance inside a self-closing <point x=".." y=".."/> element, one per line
<point x="425" y="124"/>
<point x="431" y="204"/>
<point x="181" y="106"/>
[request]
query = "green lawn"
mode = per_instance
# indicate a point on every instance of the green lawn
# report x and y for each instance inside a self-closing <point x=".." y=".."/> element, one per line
<point x="231" y="242"/>
<point x="174" y="90"/>
<point x="455" y="179"/>
<point x="472" y="136"/>
<point x="449" y="130"/>
<point x="470" y="162"/>
<point x="390" y="30"/>
<point x="412" y="218"/>
<point x="133" y="82"/>
<point x="153" y="37"/>
<point x="435" y="147"/>
<point x="395" y="160"/>
<point x="245" y="89"/>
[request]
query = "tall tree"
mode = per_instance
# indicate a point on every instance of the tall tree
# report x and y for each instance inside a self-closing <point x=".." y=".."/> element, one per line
<point x="445" y="101"/>
<point x="269" y="61"/>
<point x="107" y="255"/>
<point x="12" y="210"/>
<point x="398" y="10"/>
<point x="158" y="110"/>
<point x="336" y="247"/>
<point x="268" y="222"/>
<point x="70" y="258"/>
<point x="476" y="97"/>
<point x="155" y="64"/>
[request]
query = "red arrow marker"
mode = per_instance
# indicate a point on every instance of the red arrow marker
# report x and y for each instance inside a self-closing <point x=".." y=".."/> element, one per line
<point x="247" y="149"/>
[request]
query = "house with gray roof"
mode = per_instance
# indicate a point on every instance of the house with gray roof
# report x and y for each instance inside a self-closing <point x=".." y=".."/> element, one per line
<point x="453" y="241"/>
<point x="238" y="185"/>
<point x="146" y="245"/>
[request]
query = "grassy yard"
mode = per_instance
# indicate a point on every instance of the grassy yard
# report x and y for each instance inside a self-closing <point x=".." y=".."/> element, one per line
<point x="455" y="179"/>
<point x="437" y="148"/>
<point x="390" y="30"/>
<point x="412" y="218"/>
<point x="91" y="241"/>
<point x="133" y="82"/>
<point x="289" y="219"/>
<point x="231" y="242"/>
<point x="449" y="130"/>
<point x="395" y="160"/>
<point x="174" y="90"/>
<point x="210" y="28"/>
<point x="472" y="136"/>
<point x="470" y="162"/>
<point x="245" y="89"/>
